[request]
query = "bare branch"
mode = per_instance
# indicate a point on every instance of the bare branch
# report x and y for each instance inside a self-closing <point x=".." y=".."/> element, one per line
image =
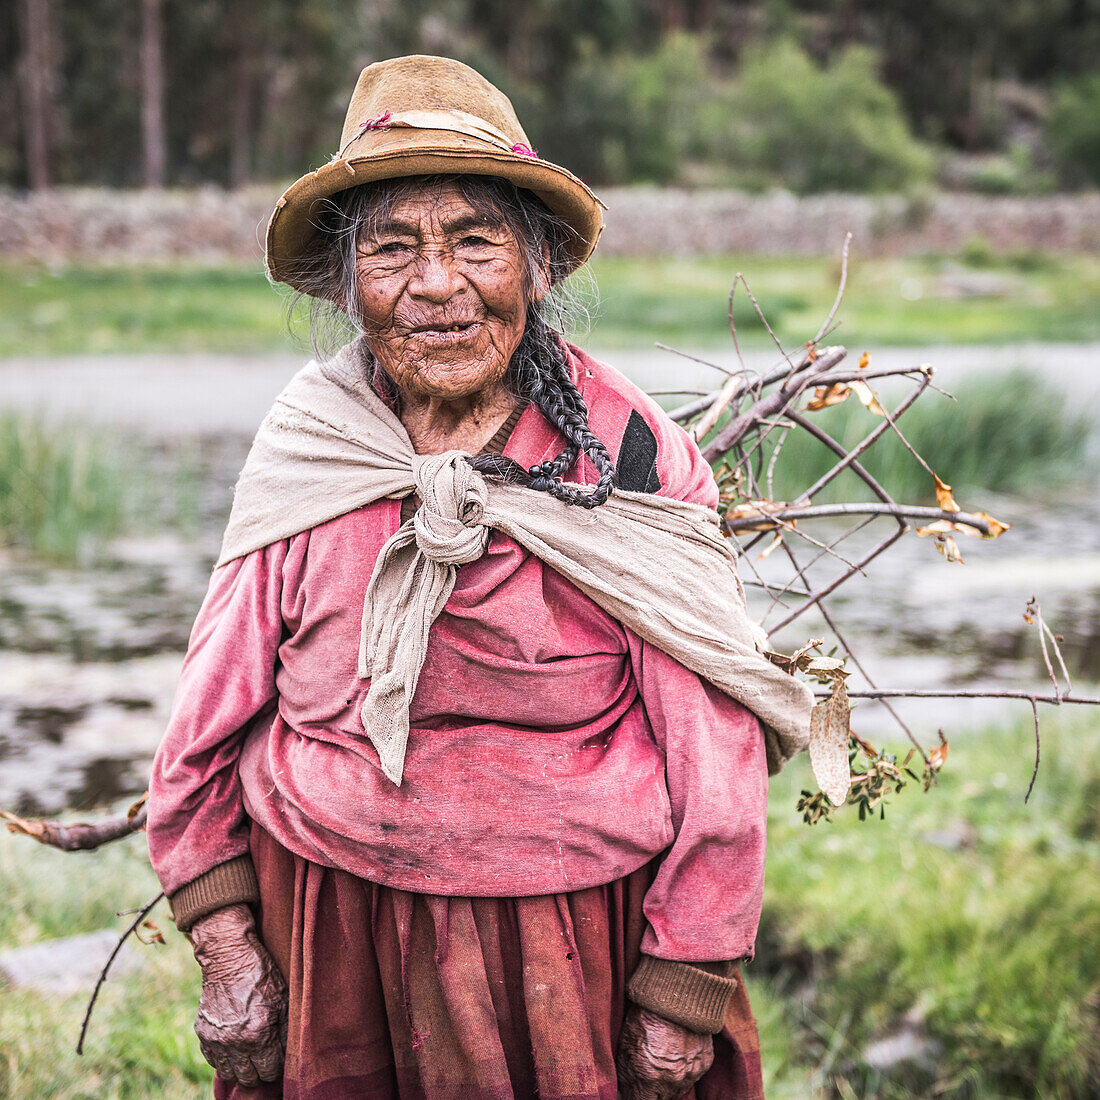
<point x="1038" y="747"/>
<point x="819" y="511"/>
<point x="83" y="836"/>
<point x="839" y="290"/>
<point x="143" y="912"/>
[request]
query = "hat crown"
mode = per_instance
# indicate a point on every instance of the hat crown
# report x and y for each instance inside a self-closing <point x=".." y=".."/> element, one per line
<point x="423" y="83"/>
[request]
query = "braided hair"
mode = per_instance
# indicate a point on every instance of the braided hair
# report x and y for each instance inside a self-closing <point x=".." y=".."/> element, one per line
<point x="539" y="370"/>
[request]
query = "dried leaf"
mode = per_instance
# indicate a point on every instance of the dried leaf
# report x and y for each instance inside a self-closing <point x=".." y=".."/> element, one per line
<point x="152" y="933"/>
<point x="753" y="508"/>
<point x="950" y="527"/>
<point x="788" y="664"/>
<point x="865" y="360"/>
<point x="938" y="756"/>
<point x="943" y="496"/>
<point x="949" y="548"/>
<point x="996" y="527"/>
<point x="773" y="545"/>
<point x="867" y="396"/>
<point x="136" y="808"/>
<point x="823" y="666"/>
<point x="824" y="396"/>
<point x="829" y="727"/>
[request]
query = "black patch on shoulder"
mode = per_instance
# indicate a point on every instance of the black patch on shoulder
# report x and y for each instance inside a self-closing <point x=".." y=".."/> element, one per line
<point x="636" y="470"/>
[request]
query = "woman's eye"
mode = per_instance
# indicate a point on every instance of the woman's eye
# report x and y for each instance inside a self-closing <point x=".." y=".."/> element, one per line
<point x="390" y="248"/>
<point x="475" y="241"/>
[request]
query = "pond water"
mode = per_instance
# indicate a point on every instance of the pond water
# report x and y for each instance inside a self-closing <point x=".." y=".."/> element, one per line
<point x="89" y="658"/>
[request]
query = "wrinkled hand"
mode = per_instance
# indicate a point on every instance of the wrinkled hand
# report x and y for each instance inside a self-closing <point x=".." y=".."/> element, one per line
<point x="657" y="1059"/>
<point x="241" y="1022"/>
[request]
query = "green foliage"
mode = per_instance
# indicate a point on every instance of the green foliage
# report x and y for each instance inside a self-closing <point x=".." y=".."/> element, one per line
<point x="822" y="127"/>
<point x="66" y="489"/>
<point x="141" y="1043"/>
<point x="991" y="942"/>
<point x="60" y="488"/>
<point x="1011" y="432"/>
<point x="1074" y="125"/>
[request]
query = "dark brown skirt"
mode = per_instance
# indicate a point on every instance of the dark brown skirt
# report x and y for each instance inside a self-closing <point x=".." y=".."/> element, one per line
<point x="419" y="997"/>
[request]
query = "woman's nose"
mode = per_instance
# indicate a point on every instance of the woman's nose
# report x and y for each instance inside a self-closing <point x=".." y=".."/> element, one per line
<point x="436" y="277"/>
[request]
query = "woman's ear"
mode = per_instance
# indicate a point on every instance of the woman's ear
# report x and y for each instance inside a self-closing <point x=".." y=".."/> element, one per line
<point x="542" y="281"/>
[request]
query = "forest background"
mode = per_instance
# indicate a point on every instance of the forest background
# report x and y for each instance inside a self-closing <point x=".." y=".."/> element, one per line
<point x="1000" y="96"/>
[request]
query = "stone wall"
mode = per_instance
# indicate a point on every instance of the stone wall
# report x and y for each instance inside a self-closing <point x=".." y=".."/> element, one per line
<point x="208" y="225"/>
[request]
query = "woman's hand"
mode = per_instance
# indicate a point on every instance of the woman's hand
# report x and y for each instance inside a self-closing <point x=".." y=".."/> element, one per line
<point x="657" y="1059"/>
<point x="241" y="1023"/>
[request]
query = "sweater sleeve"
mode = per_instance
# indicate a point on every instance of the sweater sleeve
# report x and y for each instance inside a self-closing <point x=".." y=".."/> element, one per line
<point x="704" y="904"/>
<point x="198" y="831"/>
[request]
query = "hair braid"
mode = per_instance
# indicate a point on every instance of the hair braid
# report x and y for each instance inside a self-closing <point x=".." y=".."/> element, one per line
<point x="540" y="374"/>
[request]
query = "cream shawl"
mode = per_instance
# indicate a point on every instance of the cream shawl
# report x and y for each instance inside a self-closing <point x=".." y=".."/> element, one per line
<point x="659" y="566"/>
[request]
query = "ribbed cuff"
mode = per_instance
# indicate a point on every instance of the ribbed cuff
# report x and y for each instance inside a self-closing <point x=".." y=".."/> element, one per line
<point x="693" y="995"/>
<point x="226" y="884"/>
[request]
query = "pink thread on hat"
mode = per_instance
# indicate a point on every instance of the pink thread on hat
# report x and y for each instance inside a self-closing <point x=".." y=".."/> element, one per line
<point x="379" y="123"/>
<point x="525" y="150"/>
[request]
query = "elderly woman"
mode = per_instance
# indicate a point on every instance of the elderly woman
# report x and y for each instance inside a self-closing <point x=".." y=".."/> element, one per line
<point x="463" y="793"/>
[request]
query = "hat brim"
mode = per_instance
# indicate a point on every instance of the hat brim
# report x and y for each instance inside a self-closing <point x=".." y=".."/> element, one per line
<point x="292" y="228"/>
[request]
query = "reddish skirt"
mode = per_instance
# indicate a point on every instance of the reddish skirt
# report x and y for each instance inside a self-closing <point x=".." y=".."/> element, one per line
<point x="402" y="996"/>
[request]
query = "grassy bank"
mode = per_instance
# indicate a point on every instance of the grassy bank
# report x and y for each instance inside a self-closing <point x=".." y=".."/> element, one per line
<point x="67" y="489"/>
<point x="973" y="914"/>
<point x="987" y="940"/>
<point x="140" y="1044"/>
<point x="971" y="298"/>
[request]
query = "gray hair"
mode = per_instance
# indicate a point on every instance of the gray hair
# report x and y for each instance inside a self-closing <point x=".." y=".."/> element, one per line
<point x="538" y="373"/>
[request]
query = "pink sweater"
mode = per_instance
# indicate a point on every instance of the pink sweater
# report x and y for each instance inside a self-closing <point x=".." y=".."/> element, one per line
<point x="550" y="748"/>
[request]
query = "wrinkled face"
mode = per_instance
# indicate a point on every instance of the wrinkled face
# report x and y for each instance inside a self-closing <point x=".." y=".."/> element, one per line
<point x="443" y="293"/>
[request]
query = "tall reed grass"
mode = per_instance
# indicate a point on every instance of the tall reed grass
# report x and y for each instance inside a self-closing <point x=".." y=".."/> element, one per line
<point x="1009" y="432"/>
<point x="62" y="488"/>
<point x="67" y="489"/>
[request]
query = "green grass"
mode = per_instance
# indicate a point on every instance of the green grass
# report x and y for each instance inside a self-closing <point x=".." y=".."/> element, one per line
<point x="676" y="301"/>
<point x="1009" y="432"/>
<point x="67" y="489"/>
<point x="140" y="1043"/>
<point x="995" y="945"/>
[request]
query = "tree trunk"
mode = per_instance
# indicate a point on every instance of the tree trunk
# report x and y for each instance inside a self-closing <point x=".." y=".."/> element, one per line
<point x="240" y="135"/>
<point x="152" y="93"/>
<point x="38" y="88"/>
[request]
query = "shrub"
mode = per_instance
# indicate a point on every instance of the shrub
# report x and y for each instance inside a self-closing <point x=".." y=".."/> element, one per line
<point x="832" y="127"/>
<point x="1074" y="126"/>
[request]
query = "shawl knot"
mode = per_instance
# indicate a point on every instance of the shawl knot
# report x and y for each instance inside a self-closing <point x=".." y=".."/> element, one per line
<point x="449" y="525"/>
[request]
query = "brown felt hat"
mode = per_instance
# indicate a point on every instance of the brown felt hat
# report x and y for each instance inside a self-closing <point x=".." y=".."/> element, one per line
<point x="420" y="116"/>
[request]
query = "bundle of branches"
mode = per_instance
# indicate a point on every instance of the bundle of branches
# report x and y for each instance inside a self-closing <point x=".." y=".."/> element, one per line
<point x="742" y="428"/>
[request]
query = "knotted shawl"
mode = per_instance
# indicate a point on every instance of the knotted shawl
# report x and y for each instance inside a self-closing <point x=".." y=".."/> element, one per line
<point x="659" y="566"/>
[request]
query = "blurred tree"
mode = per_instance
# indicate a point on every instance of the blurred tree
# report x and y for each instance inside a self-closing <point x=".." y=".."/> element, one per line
<point x="38" y="86"/>
<point x="616" y="89"/>
<point x="816" y="127"/>
<point x="1074" y="126"/>
<point x="152" y="92"/>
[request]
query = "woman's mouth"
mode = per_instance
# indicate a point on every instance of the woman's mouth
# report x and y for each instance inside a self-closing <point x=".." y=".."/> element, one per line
<point x="455" y="333"/>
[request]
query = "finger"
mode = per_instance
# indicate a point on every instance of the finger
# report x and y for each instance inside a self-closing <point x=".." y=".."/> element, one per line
<point x="214" y="1054"/>
<point x="244" y="1071"/>
<point x="269" y="1062"/>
